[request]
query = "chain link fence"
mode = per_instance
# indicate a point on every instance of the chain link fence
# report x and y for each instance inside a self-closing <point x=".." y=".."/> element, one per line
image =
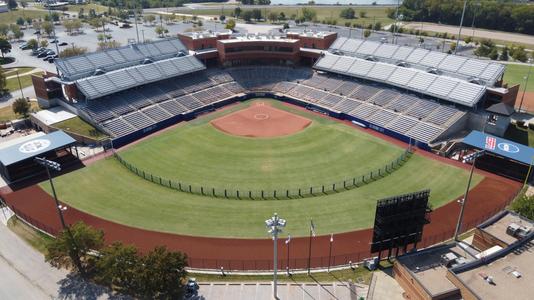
<point x="277" y="194"/>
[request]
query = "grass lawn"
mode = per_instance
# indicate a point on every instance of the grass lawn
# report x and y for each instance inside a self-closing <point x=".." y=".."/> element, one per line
<point x="12" y="15"/>
<point x="520" y="135"/>
<point x="7" y="114"/>
<point x="12" y="84"/>
<point x="325" y="152"/>
<point x="515" y="75"/>
<point x="378" y="14"/>
<point x="13" y="71"/>
<point x="109" y="190"/>
<point x="34" y="238"/>
<point x="86" y="7"/>
<point x="79" y="126"/>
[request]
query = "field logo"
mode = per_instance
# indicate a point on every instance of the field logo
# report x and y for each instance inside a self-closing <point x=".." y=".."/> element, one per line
<point x="508" y="147"/>
<point x="490" y="143"/>
<point x="34" y="146"/>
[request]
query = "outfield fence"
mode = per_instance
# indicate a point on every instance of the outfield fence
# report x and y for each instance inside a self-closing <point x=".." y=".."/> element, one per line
<point x="276" y="194"/>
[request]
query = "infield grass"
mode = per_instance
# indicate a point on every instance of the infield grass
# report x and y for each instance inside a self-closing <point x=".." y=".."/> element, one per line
<point x="108" y="190"/>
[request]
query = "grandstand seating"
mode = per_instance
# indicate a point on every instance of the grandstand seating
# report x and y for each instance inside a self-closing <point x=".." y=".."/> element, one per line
<point x="128" y="111"/>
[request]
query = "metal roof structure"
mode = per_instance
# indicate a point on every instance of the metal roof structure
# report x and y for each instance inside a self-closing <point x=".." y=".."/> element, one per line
<point x="500" y="146"/>
<point x="34" y="147"/>
<point x="76" y="67"/>
<point x="469" y="69"/>
<point x="443" y="87"/>
<point x="115" y="81"/>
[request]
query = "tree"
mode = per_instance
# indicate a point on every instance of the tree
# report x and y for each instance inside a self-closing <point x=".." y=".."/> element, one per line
<point x="230" y="24"/>
<point x="71" y="248"/>
<point x="81" y="13"/>
<point x="485" y="48"/>
<point x="117" y="267"/>
<point x="377" y="26"/>
<point x="149" y="19"/>
<point x="247" y="15"/>
<point x="32" y="43"/>
<point x="161" y="275"/>
<point x="237" y="12"/>
<point x="256" y="14"/>
<point x="366" y="33"/>
<point x="48" y="27"/>
<point x="272" y="17"/>
<point x="17" y="33"/>
<point x="309" y="14"/>
<point x="519" y="53"/>
<point x="222" y="18"/>
<point x="281" y="16"/>
<point x="29" y="21"/>
<point x="348" y="13"/>
<point x="5" y="46"/>
<point x="43" y="43"/>
<point x="72" y="51"/>
<point x="362" y="14"/>
<point x="55" y="17"/>
<point x="21" y="107"/>
<point x="20" y="21"/>
<point x="4" y="29"/>
<point x="524" y="206"/>
<point x="12" y="4"/>
<point x="199" y="23"/>
<point x="504" y="54"/>
<point x="161" y="31"/>
<point x="494" y="54"/>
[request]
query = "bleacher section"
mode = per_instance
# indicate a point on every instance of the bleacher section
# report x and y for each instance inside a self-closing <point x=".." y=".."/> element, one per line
<point x="115" y="81"/>
<point x="376" y="105"/>
<point x="77" y="67"/>
<point x="451" y="65"/>
<point x="443" y="87"/>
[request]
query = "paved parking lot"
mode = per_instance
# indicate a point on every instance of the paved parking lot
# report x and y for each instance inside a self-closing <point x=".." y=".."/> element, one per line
<point x="293" y="291"/>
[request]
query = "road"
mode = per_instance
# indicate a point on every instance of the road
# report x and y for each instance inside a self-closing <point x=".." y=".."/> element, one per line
<point x="25" y="274"/>
<point x="478" y="33"/>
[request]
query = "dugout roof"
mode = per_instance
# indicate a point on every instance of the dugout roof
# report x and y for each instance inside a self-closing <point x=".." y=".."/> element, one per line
<point x="500" y="146"/>
<point x="34" y="147"/>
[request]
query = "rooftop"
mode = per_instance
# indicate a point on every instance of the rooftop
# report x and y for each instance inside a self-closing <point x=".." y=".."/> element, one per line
<point x="427" y="266"/>
<point x="308" y="33"/>
<point x="265" y="38"/>
<point x="497" y="226"/>
<point x="53" y="115"/>
<point x="510" y="270"/>
<point x="205" y="34"/>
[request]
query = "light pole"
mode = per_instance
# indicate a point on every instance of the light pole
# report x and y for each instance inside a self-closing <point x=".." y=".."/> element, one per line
<point x="472" y="157"/>
<point x="275" y="224"/>
<point x="526" y="83"/>
<point x="48" y="164"/>
<point x="460" y="30"/>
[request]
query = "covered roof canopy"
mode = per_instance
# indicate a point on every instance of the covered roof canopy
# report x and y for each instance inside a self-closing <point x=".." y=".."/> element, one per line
<point x="34" y="147"/>
<point x="451" y="65"/>
<point x="500" y="146"/>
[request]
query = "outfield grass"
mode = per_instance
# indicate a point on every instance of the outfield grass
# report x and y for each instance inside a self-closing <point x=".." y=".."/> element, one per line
<point x="109" y="190"/>
<point x="373" y="14"/>
<point x="325" y="152"/>
<point x="79" y="126"/>
<point x="515" y="74"/>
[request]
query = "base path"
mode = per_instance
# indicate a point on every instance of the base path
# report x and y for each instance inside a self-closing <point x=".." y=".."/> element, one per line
<point x="261" y="120"/>
<point x="487" y="198"/>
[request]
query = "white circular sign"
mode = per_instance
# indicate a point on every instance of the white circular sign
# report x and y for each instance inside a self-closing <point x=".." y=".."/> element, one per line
<point x="34" y="146"/>
<point x="508" y="147"/>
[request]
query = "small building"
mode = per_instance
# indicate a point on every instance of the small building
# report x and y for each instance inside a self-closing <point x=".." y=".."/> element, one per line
<point x="17" y="155"/>
<point x="500" y="115"/>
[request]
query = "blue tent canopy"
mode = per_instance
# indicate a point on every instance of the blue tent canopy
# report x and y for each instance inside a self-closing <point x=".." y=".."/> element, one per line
<point x="35" y="147"/>
<point x="500" y="146"/>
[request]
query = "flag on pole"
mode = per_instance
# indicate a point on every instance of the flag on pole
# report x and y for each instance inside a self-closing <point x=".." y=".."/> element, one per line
<point x="288" y="239"/>
<point x="312" y="228"/>
<point x="331" y="237"/>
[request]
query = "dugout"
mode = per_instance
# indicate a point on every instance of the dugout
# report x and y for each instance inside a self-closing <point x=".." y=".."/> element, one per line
<point x="502" y="157"/>
<point x="17" y="157"/>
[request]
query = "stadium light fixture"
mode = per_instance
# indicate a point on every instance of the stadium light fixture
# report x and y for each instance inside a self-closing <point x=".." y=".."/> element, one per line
<point x="275" y="225"/>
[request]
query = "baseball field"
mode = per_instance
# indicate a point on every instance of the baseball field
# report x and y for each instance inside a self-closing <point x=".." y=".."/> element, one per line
<point x="199" y="153"/>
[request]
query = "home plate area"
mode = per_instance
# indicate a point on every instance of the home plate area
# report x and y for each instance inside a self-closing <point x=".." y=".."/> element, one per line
<point x="261" y="120"/>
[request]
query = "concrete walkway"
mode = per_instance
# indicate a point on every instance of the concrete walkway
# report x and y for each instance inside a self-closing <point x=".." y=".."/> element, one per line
<point x="384" y="287"/>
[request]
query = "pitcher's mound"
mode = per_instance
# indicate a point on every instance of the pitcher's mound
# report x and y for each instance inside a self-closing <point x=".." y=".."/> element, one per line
<point x="261" y="120"/>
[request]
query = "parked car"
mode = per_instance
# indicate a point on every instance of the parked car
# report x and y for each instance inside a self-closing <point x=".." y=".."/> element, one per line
<point x="45" y="53"/>
<point x="63" y="44"/>
<point x="54" y="41"/>
<point x="38" y="51"/>
<point x="50" y="58"/>
<point x="37" y="32"/>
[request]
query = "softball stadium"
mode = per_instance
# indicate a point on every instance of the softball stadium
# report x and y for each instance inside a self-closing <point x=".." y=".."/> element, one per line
<point x="212" y="133"/>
